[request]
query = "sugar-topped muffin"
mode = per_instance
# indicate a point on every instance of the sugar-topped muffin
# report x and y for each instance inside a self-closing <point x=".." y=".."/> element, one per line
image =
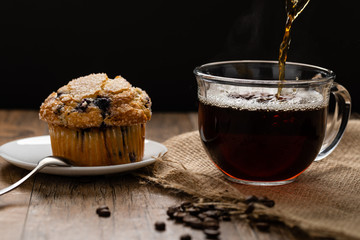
<point x="95" y="120"/>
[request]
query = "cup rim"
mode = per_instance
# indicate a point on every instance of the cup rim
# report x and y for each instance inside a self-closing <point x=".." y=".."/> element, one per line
<point x="329" y="75"/>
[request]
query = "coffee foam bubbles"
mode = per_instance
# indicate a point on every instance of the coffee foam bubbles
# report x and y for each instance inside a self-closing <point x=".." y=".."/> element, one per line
<point x="263" y="99"/>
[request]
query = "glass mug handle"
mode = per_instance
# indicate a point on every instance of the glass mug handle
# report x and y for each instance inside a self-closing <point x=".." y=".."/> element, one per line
<point x="339" y="120"/>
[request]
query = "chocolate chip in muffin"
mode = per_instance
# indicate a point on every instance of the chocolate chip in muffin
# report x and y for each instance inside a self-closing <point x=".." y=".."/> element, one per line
<point x="148" y="102"/>
<point x="103" y="103"/>
<point x="83" y="105"/>
<point x="58" y="109"/>
<point x="132" y="157"/>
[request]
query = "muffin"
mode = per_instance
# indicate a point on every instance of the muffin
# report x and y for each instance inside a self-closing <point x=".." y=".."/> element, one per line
<point x="97" y="121"/>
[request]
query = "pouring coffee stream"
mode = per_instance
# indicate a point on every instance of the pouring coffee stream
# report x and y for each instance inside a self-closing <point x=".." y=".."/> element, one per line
<point x="293" y="9"/>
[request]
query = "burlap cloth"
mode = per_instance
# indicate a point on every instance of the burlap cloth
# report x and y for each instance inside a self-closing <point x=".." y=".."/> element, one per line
<point x="324" y="200"/>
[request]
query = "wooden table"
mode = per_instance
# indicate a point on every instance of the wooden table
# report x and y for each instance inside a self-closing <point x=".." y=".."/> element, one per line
<point x="59" y="207"/>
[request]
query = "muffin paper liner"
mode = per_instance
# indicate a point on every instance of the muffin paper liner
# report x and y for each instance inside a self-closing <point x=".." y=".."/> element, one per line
<point x="99" y="146"/>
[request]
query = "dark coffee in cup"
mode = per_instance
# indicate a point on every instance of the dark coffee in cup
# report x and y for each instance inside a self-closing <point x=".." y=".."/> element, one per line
<point x="258" y="137"/>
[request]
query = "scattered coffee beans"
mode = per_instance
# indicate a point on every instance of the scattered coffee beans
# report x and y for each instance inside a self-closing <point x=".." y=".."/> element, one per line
<point x="207" y="216"/>
<point x="204" y="217"/>
<point x="103" y="211"/>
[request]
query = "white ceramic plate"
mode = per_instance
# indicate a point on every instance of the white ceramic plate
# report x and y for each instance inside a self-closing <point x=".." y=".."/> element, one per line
<point x="27" y="152"/>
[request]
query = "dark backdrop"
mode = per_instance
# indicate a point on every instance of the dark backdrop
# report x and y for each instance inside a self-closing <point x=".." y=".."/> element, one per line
<point x="156" y="44"/>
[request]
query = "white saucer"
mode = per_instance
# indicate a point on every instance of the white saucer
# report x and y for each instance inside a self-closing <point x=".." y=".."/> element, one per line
<point x="27" y="152"/>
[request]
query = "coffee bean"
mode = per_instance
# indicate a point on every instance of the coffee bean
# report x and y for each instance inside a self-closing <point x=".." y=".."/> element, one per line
<point x="250" y="208"/>
<point x="211" y="233"/>
<point x="186" y="205"/>
<point x="224" y="211"/>
<point x="188" y="219"/>
<point x="210" y="223"/>
<point x="103" y="211"/>
<point x="220" y="209"/>
<point x="202" y="216"/>
<point x="211" y="206"/>
<point x="193" y="222"/>
<point x="226" y="217"/>
<point x="160" y="226"/>
<point x="179" y="216"/>
<point x="262" y="200"/>
<point x="212" y="213"/>
<point x="171" y="210"/>
<point x="174" y="208"/>
<point x="250" y="199"/>
<point x="268" y="203"/>
<point x="185" y="237"/>
<point x="210" y="219"/>
<point x="262" y="226"/>
<point x="193" y="211"/>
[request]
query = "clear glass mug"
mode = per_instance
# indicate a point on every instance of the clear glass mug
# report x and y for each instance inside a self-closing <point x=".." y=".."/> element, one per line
<point x="255" y="136"/>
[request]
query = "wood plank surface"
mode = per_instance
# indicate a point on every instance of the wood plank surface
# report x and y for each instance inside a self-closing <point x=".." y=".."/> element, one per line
<point x="15" y="124"/>
<point x="60" y="207"/>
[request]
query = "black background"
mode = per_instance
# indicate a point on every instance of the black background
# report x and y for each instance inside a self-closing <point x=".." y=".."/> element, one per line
<point x="156" y="44"/>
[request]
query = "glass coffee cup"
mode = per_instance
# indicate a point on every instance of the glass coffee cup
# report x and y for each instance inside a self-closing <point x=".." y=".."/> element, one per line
<point x="255" y="135"/>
